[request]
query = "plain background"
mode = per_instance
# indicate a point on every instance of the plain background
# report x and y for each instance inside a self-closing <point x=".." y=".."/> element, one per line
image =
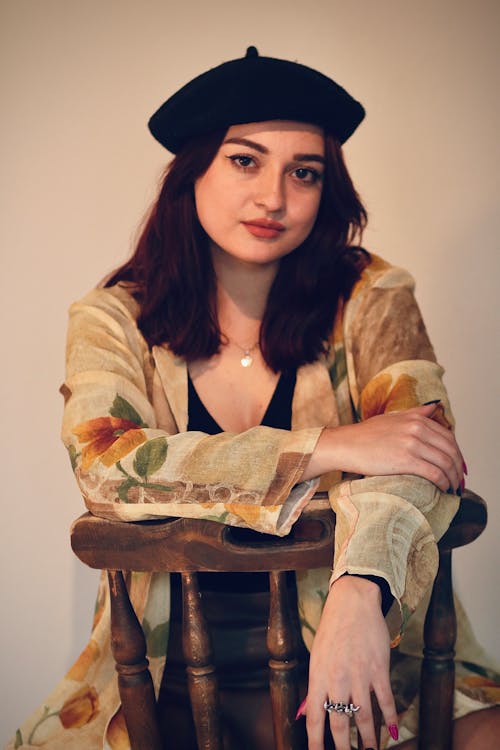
<point x="78" y="169"/>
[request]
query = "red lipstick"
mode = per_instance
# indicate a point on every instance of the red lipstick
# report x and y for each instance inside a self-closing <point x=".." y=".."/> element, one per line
<point x="264" y="228"/>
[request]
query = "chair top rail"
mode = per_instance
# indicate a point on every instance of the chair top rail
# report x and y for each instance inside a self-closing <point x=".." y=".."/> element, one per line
<point x="188" y="545"/>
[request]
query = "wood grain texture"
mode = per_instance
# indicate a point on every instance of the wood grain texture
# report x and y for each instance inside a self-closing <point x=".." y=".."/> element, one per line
<point x="188" y="546"/>
<point x="134" y="679"/>
<point x="202" y="680"/>
<point x="438" y="667"/>
<point x="283" y="678"/>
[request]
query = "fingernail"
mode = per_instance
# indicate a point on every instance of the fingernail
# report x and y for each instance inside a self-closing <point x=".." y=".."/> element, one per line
<point x="436" y="401"/>
<point x="464" y="467"/>
<point x="301" y="709"/>
<point x="462" y="485"/>
<point x="450" y="491"/>
<point x="393" y="731"/>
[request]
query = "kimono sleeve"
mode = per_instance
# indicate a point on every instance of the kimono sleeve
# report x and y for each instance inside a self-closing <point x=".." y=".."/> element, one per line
<point x="389" y="526"/>
<point x="128" y="469"/>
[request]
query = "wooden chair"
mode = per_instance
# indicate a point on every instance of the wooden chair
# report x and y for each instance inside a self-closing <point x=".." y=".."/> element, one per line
<point x="189" y="546"/>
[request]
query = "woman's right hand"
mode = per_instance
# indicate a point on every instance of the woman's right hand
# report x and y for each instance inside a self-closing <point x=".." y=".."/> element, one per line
<point x="406" y="442"/>
<point x="350" y="659"/>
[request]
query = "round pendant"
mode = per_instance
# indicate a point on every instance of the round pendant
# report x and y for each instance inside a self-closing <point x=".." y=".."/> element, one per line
<point x="246" y="360"/>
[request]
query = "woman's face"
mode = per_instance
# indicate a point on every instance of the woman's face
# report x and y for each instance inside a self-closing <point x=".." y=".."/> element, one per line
<point x="259" y="198"/>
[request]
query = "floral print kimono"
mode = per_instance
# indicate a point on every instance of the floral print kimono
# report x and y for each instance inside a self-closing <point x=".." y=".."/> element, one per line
<point x="125" y="427"/>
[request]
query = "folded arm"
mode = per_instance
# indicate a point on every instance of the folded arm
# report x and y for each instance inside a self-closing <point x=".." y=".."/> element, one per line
<point x="130" y="470"/>
<point x="388" y="521"/>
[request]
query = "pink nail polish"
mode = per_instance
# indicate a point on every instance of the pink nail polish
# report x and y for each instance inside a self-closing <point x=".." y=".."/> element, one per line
<point x="393" y="731"/>
<point x="464" y="467"/>
<point x="301" y="709"/>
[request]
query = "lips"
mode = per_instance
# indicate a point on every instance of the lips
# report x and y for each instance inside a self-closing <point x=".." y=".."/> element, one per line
<point x="264" y="228"/>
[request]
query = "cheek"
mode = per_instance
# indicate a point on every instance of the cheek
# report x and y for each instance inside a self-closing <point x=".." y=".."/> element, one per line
<point x="307" y="212"/>
<point x="213" y="207"/>
<point x="205" y="205"/>
<point x="201" y="195"/>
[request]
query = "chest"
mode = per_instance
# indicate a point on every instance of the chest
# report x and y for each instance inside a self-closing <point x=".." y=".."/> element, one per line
<point x="236" y="397"/>
<point x="316" y="401"/>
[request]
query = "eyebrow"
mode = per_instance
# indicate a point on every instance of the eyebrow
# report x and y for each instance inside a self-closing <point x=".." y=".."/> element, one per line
<point x="263" y="150"/>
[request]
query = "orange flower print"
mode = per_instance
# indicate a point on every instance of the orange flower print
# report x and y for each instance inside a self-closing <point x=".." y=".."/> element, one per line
<point x="481" y="688"/>
<point x="109" y="438"/>
<point x="248" y="513"/>
<point x="379" y="397"/>
<point x="80" y="709"/>
<point x="438" y="415"/>
<point x="116" y="734"/>
<point x="89" y="655"/>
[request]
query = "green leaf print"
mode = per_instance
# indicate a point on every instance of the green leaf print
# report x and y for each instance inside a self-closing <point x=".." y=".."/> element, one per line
<point x="156" y="638"/>
<point x="73" y="456"/>
<point x="19" y="739"/>
<point x="47" y="714"/>
<point x="219" y="519"/>
<point x="125" y="486"/>
<point x="150" y="456"/>
<point x="322" y="595"/>
<point x="123" y="410"/>
<point x="406" y="613"/>
<point x="304" y="622"/>
<point x="490" y="674"/>
<point x="338" y="370"/>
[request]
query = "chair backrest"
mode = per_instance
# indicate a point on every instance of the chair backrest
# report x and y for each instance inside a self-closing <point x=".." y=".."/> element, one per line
<point x="184" y="545"/>
<point x="189" y="546"/>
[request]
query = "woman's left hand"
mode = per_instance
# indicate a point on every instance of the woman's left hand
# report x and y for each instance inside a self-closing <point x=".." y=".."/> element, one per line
<point x="349" y="658"/>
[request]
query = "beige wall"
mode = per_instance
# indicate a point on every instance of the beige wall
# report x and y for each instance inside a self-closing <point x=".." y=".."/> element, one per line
<point x="79" y="80"/>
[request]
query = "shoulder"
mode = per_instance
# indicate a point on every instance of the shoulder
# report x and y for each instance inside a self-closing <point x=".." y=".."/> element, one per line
<point x="107" y="317"/>
<point x="116" y="301"/>
<point x="380" y="274"/>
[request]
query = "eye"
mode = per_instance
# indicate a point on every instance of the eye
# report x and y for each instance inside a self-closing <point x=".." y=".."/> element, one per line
<point x="307" y="175"/>
<point x="242" y="161"/>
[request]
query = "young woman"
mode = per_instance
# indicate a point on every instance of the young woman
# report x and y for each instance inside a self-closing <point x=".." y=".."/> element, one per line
<point x="249" y="353"/>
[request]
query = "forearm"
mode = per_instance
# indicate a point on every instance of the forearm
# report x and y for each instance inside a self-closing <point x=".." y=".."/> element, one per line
<point x="407" y="442"/>
<point x="336" y="450"/>
<point x="125" y="426"/>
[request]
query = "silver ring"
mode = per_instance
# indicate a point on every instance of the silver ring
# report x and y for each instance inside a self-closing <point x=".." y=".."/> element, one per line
<point x="341" y="708"/>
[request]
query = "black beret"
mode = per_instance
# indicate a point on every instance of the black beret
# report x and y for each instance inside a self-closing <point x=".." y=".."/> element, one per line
<point x="255" y="89"/>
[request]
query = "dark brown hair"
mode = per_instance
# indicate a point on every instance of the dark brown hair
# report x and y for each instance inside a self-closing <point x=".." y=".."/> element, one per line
<point x="174" y="281"/>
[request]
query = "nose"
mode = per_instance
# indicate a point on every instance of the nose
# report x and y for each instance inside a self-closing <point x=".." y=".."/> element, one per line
<point x="270" y="191"/>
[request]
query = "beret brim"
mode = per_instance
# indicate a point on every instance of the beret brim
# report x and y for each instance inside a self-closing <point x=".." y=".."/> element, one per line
<point x="254" y="89"/>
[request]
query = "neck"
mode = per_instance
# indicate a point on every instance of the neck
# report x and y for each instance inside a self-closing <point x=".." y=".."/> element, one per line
<point x="242" y="292"/>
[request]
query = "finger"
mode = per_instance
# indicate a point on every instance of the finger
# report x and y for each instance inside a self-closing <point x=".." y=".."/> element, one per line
<point x="431" y="442"/>
<point x="302" y="709"/>
<point x="434" y="434"/>
<point x="420" y="412"/>
<point x="430" y="416"/>
<point x="315" y="723"/>
<point x="449" y="475"/>
<point x="446" y="434"/>
<point x="364" y="719"/>
<point x="421" y="418"/>
<point x="385" y="698"/>
<point x="438" y="417"/>
<point x="340" y="728"/>
<point x="431" y="472"/>
<point x="427" y="410"/>
<point x="437" y="426"/>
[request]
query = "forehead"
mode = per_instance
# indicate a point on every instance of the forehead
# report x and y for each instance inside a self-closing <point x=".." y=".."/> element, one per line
<point x="281" y="131"/>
